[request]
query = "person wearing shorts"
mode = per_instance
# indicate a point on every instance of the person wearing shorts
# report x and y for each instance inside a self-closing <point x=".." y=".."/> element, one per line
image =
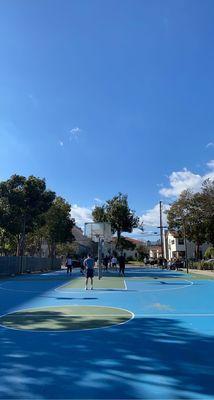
<point x="89" y="266"/>
<point x="69" y="264"/>
<point x="114" y="262"/>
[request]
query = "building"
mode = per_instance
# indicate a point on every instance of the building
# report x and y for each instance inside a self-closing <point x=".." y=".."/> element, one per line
<point x="82" y="244"/>
<point x="155" y="251"/>
<point x="174" y="246"/>
<point x="110" y="247"/>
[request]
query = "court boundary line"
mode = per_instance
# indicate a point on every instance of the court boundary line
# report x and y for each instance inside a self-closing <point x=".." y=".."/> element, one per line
<point x="178" y="315"/>
<point x="96" y="290"/>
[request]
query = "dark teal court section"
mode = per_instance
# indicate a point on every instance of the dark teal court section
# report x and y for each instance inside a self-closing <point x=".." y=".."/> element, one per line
<point x="165" y="352"/>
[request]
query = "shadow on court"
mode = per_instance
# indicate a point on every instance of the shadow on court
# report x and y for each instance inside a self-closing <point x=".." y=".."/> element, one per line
<point x="147" y="358"/>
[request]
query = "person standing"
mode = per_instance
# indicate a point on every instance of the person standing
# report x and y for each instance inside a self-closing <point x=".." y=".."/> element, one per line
<point x="68" y="264"/>
<point x="122" y="264"/>
<point x="105" y="262"/>
<point x="89" y="266"/>
<point x="113" y="262"/>
<point x="82" y="268"/>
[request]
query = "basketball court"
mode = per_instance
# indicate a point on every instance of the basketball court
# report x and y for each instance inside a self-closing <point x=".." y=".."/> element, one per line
<point x="148" y="335"/>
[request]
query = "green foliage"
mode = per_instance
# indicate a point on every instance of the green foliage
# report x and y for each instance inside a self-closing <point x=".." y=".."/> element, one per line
<point x="23" y="203"/>
<point x="186" y="217"/>
<point x="142" y="252"/>
<point x="58" y="227"/>
<point x="99" y="214"/>
<point x="129" y="259"/>
<point x="207" y="205"/>
<point x="207" y="265"/>
<point x="209" y="253"/>
<point x="62" y="249"/>
<point x="8" y="243"/>
<point x="125" y="244"/>
<point x="117" y="212"/>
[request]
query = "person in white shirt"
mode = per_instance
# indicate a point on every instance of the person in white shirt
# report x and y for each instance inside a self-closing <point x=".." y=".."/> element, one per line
<point x="68" y="264"/>
<point x="113" y="262"/>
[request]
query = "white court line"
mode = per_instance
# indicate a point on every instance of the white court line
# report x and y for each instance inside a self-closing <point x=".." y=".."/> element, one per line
<point x="175" y="315"/>
<point x="167" y="290"/>
<point x="95" y="290"/>
<point x="67" y="330"/>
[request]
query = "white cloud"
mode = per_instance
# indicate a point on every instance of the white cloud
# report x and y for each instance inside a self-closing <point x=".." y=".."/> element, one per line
<point x="185" y="179"/>
<point x="210" y="144"/>
<point x="181" y="180"/>
<point x="210" y="164"/>
<point x="81" y="214"/>
<point x="61" y="143"/>
<point x="75" y="133"/>
<point x="152" y="217"/>
<point x="98" y="200"/>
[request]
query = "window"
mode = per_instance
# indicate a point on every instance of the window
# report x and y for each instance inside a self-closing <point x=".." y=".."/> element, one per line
<point x="180" y="241"/>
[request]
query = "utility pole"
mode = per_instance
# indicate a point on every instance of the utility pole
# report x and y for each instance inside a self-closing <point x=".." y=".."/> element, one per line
<point x="161" y="229"/>
<point x="185" y="244"/>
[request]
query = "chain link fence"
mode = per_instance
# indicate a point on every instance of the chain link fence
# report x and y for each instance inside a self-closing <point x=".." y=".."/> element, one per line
<point x="11" y="265"/>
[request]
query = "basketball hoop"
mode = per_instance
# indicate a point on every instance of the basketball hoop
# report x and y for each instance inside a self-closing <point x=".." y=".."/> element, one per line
<point x="99" y="232"/>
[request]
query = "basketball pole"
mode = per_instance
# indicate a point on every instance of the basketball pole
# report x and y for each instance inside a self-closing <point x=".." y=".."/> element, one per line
<point x="99" y="261"/>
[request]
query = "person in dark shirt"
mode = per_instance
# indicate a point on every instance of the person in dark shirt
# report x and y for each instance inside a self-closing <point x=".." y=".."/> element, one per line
<point x="122" y="264"/>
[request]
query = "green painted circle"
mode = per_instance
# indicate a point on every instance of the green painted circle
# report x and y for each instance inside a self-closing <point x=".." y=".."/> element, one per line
<point x="65" y="318"/>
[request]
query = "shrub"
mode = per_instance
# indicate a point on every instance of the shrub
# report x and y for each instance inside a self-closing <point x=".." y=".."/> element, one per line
<point x="209" y="253"/>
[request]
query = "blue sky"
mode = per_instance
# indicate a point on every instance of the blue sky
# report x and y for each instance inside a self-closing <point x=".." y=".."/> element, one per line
<point x="103" y="96"/>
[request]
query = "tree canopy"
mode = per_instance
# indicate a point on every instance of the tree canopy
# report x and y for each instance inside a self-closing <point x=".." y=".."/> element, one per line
<point x="23" y="203"/>
<point x="117" y="212"/>
<point x="59" y="224"/>
<point x="192" y="215"/>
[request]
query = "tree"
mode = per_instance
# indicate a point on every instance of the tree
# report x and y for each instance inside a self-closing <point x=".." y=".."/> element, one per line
<point x="125" y="244"/>
<point x="117" y="212"/>
<point x="143" y="251"/>
<point x="209" y="253"/>
<point x="8" y="243"/>
<point x="207" y="205"/>
<point x="186" y="217"/>
<point x="59" y="224"/>
<point x="99" y="214"/>
<point x="23" y="202"/>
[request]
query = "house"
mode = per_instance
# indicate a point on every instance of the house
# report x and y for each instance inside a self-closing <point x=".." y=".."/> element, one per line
<point x="82" y="244"/>
<point x="174" y="246"/>
<point x="155" y="250"/>
<point x="110" y="247"/>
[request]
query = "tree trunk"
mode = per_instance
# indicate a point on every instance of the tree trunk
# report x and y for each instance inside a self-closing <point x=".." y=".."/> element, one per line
<point x="118" y="238"/>
<point x="197" y="246"/>
<point x="22" y="238"/>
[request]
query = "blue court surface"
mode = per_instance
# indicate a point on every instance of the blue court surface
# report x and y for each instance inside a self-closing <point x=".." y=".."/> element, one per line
<point x="164" y="351"/>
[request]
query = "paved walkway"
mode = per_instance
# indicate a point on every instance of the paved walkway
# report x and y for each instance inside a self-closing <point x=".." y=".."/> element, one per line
<point x="202" y="272"/>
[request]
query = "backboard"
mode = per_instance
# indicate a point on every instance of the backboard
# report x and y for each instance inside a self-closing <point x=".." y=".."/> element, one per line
<point x="98" y="230"/>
